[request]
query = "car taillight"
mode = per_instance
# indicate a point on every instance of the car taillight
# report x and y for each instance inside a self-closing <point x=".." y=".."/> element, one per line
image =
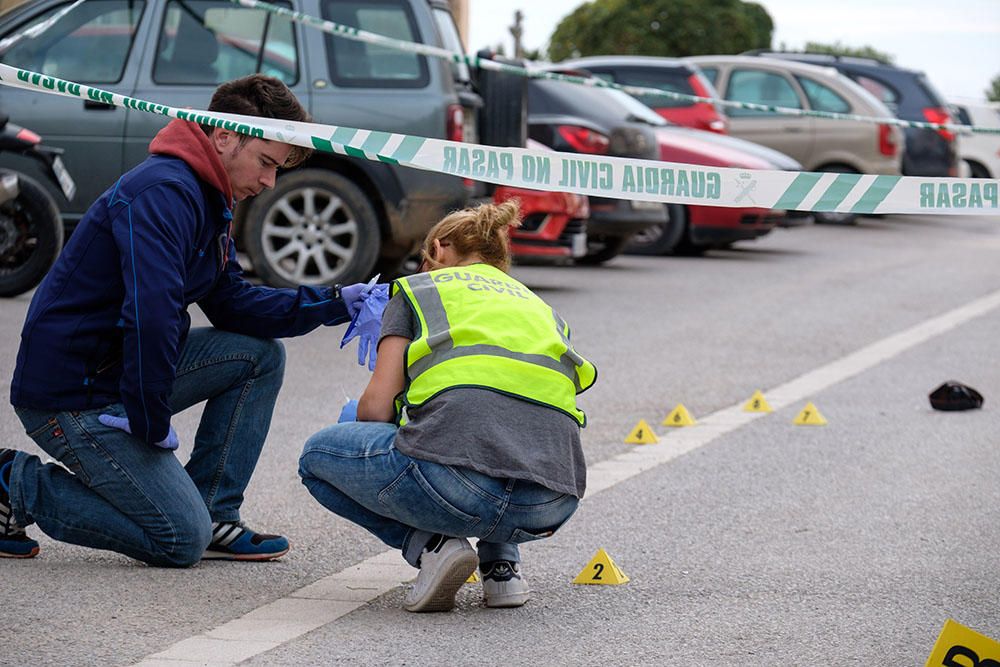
<point x="28" y="137"/>
<point x="455" y="123"/>
<point x="941" y="117"/>
<point x="886" y="140"/>
<point x="709" y="116"/>
<point x="584" y="140"/>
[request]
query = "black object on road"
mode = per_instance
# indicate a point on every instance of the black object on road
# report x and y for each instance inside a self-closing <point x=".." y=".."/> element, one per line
<point x="955" y="396"/>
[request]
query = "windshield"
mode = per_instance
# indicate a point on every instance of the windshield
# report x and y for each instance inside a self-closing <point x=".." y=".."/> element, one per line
<point x="452" y="41"/>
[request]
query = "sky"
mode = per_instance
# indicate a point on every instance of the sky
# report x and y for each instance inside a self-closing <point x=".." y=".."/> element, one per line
<point x="956" y="43"/>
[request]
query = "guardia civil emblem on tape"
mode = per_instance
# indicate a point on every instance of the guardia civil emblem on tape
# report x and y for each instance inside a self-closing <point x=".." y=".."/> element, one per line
<point x="617" y="178"/>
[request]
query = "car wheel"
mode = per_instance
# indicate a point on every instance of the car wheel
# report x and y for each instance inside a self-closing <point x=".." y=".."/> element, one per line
<point x="601" y="248"/>
<point x="314" y="228"/>
<point x="31" y="236"/>
<point x="977" y="170"/>
<point x="830" y="218"/>
<point x="660" y="239"/>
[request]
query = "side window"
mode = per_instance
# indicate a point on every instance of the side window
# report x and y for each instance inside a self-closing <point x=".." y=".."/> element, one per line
<point x="711" y="73"/>
<point x="672" y="80"/>
<point x="760" y="87"/>
<point x="210" y="41"/>
<point x="822" y="97"/>
<point x="363" y="65"/>
<point x="89" y="44"/>
<point x="880" y="90"/>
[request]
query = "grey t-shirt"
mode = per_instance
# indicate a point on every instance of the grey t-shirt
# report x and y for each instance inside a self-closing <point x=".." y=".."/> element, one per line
<point x="492" y="433"/>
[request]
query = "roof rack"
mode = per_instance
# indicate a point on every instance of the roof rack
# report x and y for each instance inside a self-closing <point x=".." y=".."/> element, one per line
<point x="819" y="57"/>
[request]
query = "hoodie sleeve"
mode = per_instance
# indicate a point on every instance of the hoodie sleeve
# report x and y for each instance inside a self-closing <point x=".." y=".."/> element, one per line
<point x="267" y="312"/>
<point x="153" y="233"/>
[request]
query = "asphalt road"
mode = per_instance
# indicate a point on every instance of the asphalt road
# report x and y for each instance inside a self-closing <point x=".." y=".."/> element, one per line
<point x="770" y="544"/>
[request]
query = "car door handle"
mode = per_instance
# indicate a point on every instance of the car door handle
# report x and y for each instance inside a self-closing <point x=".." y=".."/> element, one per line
<point x="98" y="106"/>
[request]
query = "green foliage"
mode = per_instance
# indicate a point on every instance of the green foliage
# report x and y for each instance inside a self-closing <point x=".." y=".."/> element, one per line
<point x="993" y="92"/>
<point x="661" y="28"/>
<point x="838" y="49"/>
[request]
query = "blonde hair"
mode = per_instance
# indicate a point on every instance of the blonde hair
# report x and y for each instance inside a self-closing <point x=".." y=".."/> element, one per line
<point x="483" y="231"/>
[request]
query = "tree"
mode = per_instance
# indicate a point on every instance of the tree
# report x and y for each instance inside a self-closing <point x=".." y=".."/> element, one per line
<point x="661" y="28"/>
<point x="993" y="92"/>
<point x="838" y="49"/>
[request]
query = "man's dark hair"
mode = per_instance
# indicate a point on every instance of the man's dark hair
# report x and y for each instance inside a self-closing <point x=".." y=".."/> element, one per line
<point x="263" y="96"/>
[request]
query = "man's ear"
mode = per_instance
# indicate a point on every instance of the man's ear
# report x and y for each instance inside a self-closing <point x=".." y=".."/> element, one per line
<point x="221" y="139"/>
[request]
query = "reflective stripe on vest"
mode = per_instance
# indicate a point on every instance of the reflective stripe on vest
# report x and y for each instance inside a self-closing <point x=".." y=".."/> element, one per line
<point x="468" y="338"/>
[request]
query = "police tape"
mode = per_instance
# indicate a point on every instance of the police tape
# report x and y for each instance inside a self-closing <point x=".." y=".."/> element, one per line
<point x="348" y="32"/>
<point x="615" y="178"/>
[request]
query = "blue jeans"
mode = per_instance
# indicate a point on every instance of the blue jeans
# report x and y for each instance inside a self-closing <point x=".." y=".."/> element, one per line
<point x="124" y="495"/>
<point x="354" y="471"/>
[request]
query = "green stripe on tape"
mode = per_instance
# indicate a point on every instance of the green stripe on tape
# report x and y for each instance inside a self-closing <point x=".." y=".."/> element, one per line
<point x="875" y="194"/>
<point x="797" y="191"/>
<point x="408" y="149"/>
<point x="355" y="152"/>
<point x="322" y="145"/>
<point x="837" y="191"/>
<point x="375" y="142"/>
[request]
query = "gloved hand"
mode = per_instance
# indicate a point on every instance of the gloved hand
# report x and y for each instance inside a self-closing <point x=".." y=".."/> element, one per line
<point x="366" y="324"/>
<point x="354" y="295"/>
<point x="170" y="442"/>
<point x="349" y="413"/>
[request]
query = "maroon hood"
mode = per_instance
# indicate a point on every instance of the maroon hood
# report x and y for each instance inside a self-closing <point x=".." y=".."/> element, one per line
<point x="187" y="141"/>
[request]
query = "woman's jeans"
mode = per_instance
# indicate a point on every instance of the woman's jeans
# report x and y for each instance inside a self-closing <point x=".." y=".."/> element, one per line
<point x="354" y="470"/>
<point x="125" y="495"/>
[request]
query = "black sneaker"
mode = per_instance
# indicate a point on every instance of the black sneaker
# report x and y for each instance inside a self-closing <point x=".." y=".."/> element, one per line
<point x="231" y="540"/>
<point x="14" y="542"/>
<point x="503" y="585"/>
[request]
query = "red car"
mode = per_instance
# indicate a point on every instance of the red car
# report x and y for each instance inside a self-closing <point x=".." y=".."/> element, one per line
<point x="669" y="74"/>
<point x="553" y="223"/>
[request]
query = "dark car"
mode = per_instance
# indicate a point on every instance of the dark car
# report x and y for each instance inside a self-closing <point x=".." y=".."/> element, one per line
<point x="910" y="95"/>
<point x="579" y="119"/>
<point x="330" y="220"/>
<point x="669" y="74"/>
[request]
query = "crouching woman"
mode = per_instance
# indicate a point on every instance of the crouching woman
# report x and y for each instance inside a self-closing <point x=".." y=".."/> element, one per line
<point x="469" y="426"/>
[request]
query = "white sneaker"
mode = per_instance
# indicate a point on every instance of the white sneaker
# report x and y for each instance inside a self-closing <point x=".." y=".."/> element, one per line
<point x="443" y="570"/>
<point x="503" y="585"/>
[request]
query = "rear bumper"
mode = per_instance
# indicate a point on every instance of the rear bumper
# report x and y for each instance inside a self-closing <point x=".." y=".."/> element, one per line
<point x="620" y="217"/>
<point x="713" y="225"/>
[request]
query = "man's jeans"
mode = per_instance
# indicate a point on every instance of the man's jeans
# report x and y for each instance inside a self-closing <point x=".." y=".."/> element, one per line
<point x="354" y="470"/>
<point x="125" y="495"/>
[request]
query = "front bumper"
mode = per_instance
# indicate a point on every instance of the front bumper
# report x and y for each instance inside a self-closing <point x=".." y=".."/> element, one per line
<point x="715" y="225"/>
<point x="620" y="217"/>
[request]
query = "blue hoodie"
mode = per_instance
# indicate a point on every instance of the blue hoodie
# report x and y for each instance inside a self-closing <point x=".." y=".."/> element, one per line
<point x="108" y="323"/>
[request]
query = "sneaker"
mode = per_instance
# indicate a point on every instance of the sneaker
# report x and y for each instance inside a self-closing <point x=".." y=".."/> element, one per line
<point x="443" y="570"/>
<point x="503" y="585"/>
<point x="14" y="542"/>
<point x="231" y="540"/>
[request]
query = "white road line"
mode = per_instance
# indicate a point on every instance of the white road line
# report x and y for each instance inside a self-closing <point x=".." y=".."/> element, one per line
<point x="339" y="594"/>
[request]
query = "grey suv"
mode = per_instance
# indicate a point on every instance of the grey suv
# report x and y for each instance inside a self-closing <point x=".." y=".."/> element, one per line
<point x="332" y="220"/>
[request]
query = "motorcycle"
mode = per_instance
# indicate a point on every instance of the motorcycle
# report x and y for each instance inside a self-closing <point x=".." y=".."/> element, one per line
<point x="31" y="229"/>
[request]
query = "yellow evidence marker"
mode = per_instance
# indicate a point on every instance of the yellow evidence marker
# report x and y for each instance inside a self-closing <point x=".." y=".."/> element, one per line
<point x="642" y="434"/>
<point x="601" y="570"/>
<point x="473" y="578"/>
<point x="679" y="416"/>
<point x="757" y="403"/>
<point x="810" y="416"/>
<point x="957" y="641"/>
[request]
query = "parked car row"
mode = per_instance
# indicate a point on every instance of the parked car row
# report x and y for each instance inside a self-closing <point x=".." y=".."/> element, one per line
<point x="339" y="219"/>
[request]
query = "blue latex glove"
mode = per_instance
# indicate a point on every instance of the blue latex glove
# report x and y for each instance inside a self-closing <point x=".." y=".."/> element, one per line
<point x="366" y="324"/>
<point x="170" y="442"/>
<point x="354" y="295"/>
<point x="349" y="413"/>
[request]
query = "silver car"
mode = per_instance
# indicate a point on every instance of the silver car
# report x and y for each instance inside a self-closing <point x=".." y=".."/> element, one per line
<point x="820" y="144"/>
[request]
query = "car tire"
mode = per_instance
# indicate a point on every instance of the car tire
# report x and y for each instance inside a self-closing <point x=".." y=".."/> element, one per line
<point x="31" y="236"/>
<point x="829" y="218"/>
<point x="315" y="227"/>
<point x="660" y="239"/>
<point x="601" y="248"/>
<point x="977" y="170"/>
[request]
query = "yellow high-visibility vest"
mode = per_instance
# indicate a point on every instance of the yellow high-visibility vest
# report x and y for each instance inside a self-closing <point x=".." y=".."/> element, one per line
<point x="478" y="327"/>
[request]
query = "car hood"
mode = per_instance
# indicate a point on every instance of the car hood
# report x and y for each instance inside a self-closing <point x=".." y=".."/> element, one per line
<point x="684" y="144"/>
